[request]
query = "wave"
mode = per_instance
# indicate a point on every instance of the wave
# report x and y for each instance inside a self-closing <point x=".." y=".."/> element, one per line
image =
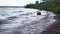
<point x="25" y="22"/>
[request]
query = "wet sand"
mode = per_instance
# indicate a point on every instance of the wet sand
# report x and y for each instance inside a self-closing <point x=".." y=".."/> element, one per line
<point x="54" y="28"/>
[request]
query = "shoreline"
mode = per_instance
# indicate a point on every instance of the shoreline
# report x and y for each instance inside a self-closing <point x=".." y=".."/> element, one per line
<point x="54" y="28"/>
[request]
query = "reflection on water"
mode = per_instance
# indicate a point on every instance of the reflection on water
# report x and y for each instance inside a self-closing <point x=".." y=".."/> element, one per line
<point x="26" y="22"/>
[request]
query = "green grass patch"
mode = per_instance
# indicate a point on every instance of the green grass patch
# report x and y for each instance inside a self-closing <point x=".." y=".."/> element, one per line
<point x="53" y="6"/>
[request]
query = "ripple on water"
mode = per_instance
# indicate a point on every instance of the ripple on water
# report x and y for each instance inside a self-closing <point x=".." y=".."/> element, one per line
<point x="25" y="24"/>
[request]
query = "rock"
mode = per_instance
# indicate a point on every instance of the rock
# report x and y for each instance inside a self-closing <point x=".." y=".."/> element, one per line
<point x="38" y="13"/>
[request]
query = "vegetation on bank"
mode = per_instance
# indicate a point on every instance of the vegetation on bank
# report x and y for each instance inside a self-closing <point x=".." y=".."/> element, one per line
<point x="52" y="5"/>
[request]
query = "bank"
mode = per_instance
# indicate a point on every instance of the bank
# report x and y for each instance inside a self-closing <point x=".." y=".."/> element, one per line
<point x="54" y="28"/>
<point x="53" y="6"/>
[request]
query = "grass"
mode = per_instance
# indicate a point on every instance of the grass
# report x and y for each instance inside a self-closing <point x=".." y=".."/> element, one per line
<point x="53" y="6"/>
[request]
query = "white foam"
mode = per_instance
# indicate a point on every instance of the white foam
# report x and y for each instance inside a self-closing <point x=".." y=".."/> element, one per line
<point x="26" y="21"/>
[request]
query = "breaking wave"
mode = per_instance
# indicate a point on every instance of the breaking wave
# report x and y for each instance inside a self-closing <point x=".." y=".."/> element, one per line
<point x="24" y="21"/>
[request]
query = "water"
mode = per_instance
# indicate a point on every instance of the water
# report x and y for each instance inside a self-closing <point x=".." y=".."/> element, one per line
<point x="24" y="21"/>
